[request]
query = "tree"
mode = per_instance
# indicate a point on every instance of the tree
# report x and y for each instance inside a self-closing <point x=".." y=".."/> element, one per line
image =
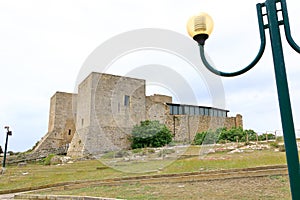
<point x="1" y="151"/>
<point x="222" y="134"/>
<point x="150" y="134"/>
<point x="251" y="135"/>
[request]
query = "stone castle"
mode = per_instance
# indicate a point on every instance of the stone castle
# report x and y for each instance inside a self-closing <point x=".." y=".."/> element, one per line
<point x="100" y="117"/>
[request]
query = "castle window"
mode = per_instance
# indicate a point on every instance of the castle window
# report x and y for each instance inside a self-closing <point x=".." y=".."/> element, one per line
<point x="82" y="122"/>
<point x="69" y="133"/>
<point x="126" y="100"/>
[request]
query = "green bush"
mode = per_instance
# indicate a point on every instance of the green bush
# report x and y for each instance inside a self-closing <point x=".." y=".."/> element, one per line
<point x="274" y="144"/>
<point x="199" y="138"/>
<point x="47" y="160"/>
<point x="251" y="135"/>
<point x="264" y="137"/>
<point x="150" y="134"/>
<point x="222" y="135"/>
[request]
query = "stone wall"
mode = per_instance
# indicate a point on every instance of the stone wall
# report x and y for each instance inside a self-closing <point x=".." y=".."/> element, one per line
<point x="158" y="98"/>
<point x="185" y="127"/>
<point x="61" y="127"/>
<point x="156" y="107"/>
<point x="108" y="107"/>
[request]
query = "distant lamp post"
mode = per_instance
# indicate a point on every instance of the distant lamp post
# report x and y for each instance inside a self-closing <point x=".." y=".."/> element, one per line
<point x="199" y="27"/>
<point x="8" y="133"/>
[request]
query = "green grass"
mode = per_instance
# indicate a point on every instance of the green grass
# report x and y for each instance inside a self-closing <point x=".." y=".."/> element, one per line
<point x="227" y="161"/>
<point x="274" y="187"/>
<point x="37" y="174"/>
<point x="127" y="191"/>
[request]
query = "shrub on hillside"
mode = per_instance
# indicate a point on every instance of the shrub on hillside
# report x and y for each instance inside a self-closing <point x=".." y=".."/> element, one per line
<point x="265" y="136"/>
<point x="199" y="138"/>
<point x="150" y="134"/>
<point x="47" y="160"/>
<point x="232" y="134"/>
<point x="206" y="137"/>
<point x="274" y="144"/>
<point x="223" y="135"/>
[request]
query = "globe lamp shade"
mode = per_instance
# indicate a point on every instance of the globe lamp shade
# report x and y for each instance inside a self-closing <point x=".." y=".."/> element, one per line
<point x="200" y="27"/>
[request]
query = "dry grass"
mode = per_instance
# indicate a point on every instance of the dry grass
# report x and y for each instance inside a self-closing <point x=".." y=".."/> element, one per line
<point x="273" y="187"/>
<point x="36" y="174"/>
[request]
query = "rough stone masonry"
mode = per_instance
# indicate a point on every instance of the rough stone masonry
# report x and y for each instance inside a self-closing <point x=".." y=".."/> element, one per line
<point x="101" y="116"/>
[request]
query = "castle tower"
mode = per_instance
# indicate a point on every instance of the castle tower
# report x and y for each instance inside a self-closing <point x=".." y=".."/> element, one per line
<point x="61" y="127"/>
<point x="108" y="107"/>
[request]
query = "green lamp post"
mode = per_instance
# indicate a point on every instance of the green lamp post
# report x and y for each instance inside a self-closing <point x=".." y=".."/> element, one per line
<point x="200" y="26"/>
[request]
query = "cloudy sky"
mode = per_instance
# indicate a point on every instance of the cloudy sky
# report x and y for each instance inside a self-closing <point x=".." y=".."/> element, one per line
<point x="43" y="45"/>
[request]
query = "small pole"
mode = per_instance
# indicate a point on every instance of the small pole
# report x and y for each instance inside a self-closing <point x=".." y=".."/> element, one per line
<point x="8" y="133"/>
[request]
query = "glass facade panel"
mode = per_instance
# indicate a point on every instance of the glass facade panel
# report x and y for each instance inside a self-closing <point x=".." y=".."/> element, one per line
<point x="180" y="110"/>
<point x="175" y="110"/>
<point x="190" y="110"/>
<point x="197" y="111"/>
<point x="201" y="111"/>
<point x="205" y="111"/>
<point x="210" y="112"/>
<point x="186" y="110"/>
<point x="215" y="113"/>
<point x="171" y="109"/>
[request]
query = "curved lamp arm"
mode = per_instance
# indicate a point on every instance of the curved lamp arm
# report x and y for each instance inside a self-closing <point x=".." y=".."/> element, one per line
<point x="256" y="59"/>
<point x="287" y="27"/>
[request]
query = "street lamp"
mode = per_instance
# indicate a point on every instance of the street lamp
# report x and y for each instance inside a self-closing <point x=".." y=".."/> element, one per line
<point x="199" y="27"/>
<point x="8" y="133"/>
